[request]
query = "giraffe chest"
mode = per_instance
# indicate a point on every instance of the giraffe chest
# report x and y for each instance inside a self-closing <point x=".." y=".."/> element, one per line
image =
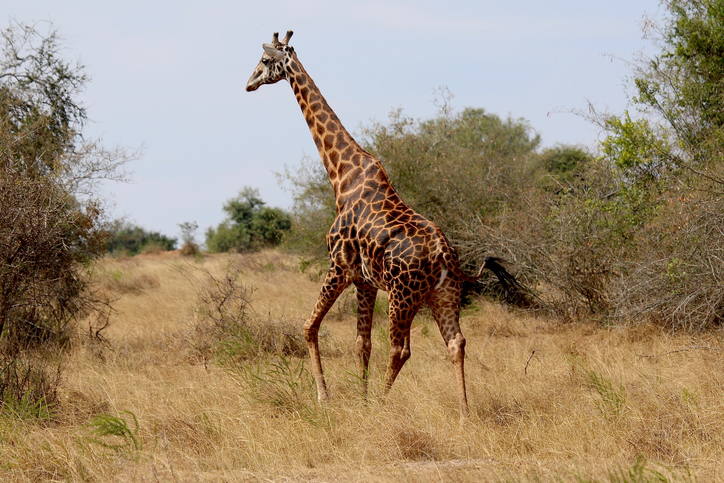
<point x="359" y="260"/>
<point x="374" y="277"/>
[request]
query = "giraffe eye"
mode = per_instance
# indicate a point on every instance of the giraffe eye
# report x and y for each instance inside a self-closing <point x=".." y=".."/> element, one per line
<point x="265" y="61"/>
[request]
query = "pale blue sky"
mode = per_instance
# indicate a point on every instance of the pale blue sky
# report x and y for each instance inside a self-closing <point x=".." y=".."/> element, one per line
<point x="170" y="75"/>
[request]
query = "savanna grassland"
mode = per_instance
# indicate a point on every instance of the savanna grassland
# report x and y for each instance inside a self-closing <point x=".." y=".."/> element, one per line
<point x="175" y="394"/>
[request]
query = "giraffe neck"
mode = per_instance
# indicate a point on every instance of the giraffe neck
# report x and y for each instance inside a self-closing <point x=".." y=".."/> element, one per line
<point x="340" y="153"/>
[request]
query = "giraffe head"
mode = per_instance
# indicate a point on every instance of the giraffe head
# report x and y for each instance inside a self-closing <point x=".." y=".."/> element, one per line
<point x="271" y="67"/>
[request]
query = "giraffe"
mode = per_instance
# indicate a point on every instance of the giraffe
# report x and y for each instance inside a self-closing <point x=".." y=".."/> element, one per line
<point x="377" y="242"/>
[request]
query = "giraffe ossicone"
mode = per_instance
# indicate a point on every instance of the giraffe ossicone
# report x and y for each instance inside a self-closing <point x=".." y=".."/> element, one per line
<point x="377" y="242"/>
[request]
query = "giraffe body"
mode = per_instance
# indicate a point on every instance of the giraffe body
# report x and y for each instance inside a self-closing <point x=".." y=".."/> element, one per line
<point x="377" y="242"/>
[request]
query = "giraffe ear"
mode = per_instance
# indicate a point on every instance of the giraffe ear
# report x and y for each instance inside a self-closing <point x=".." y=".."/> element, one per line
<point x="273" y="52"/>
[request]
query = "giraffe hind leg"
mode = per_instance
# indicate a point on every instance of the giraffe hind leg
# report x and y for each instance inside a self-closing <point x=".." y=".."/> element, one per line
<point x="334" y="285"/>
<point x="445" y="306"/>
<point x="366" y="296"/>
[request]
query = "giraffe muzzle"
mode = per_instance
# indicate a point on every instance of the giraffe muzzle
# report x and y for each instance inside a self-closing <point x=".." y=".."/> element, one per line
<point x="253" y="83"/>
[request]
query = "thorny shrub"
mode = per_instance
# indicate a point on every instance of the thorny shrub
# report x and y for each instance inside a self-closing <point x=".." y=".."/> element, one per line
<point x="227" y="328"/>
<point x="45" y="243"/>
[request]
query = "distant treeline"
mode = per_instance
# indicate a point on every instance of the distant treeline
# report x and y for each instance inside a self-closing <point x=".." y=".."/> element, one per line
<point x="126" y="239"/>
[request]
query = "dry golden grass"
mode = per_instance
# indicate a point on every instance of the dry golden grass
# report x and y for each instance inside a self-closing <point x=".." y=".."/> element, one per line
<point x="548" y="400"/>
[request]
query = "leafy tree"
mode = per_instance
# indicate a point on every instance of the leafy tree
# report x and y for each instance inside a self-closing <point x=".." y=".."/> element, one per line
<point x="41" y="120"/>
<point x="43" y="150"/>
<point x="188" y="238"/>
<point x="249" y="224"/>
<point x="676" y="130"/>
<point x="667" y="157"/>
<point x="456" y="166"/>
<point x="562" y="165"/>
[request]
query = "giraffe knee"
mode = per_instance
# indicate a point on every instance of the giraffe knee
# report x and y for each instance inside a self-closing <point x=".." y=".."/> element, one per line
<point x="406" y="353"/>
<point x="395" y="352"/>
<point x="400" y="354"/>
<point x="456" y="348"/>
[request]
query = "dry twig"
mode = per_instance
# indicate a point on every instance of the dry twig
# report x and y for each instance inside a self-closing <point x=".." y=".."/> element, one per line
<point x="525" y="370"/>
<point x="685" y="349"/>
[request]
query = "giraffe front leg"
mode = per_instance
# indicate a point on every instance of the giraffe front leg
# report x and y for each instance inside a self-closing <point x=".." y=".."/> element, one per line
<point x="334" y="285"/>
<point x="399" y="354"/>
<point x="402" y="311"/>
<point x="366" y="296"/>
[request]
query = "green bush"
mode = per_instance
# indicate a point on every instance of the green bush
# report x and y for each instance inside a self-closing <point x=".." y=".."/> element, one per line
<point x="249" y="225"/>
<point x="659" y="211"/>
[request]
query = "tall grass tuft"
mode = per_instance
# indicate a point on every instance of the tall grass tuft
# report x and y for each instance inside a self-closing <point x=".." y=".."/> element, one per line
<point x="613" y="400"/>
<point x="29" y="385"/>
<point x="113" y="432"/>
<point x="279" y="383"/>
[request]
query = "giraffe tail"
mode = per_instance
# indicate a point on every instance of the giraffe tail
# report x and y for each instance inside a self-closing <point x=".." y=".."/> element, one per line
<point x="513" y="291"/>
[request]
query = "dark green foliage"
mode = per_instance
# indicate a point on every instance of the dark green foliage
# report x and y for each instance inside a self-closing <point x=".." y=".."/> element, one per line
<point x="563" y="165"/>
<point x="128" y="240"/>
<point x="269" y="225"/>
<point x="685" y="81"/>
<point x="249" y="225"/>
<point x="678" y="98"/>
